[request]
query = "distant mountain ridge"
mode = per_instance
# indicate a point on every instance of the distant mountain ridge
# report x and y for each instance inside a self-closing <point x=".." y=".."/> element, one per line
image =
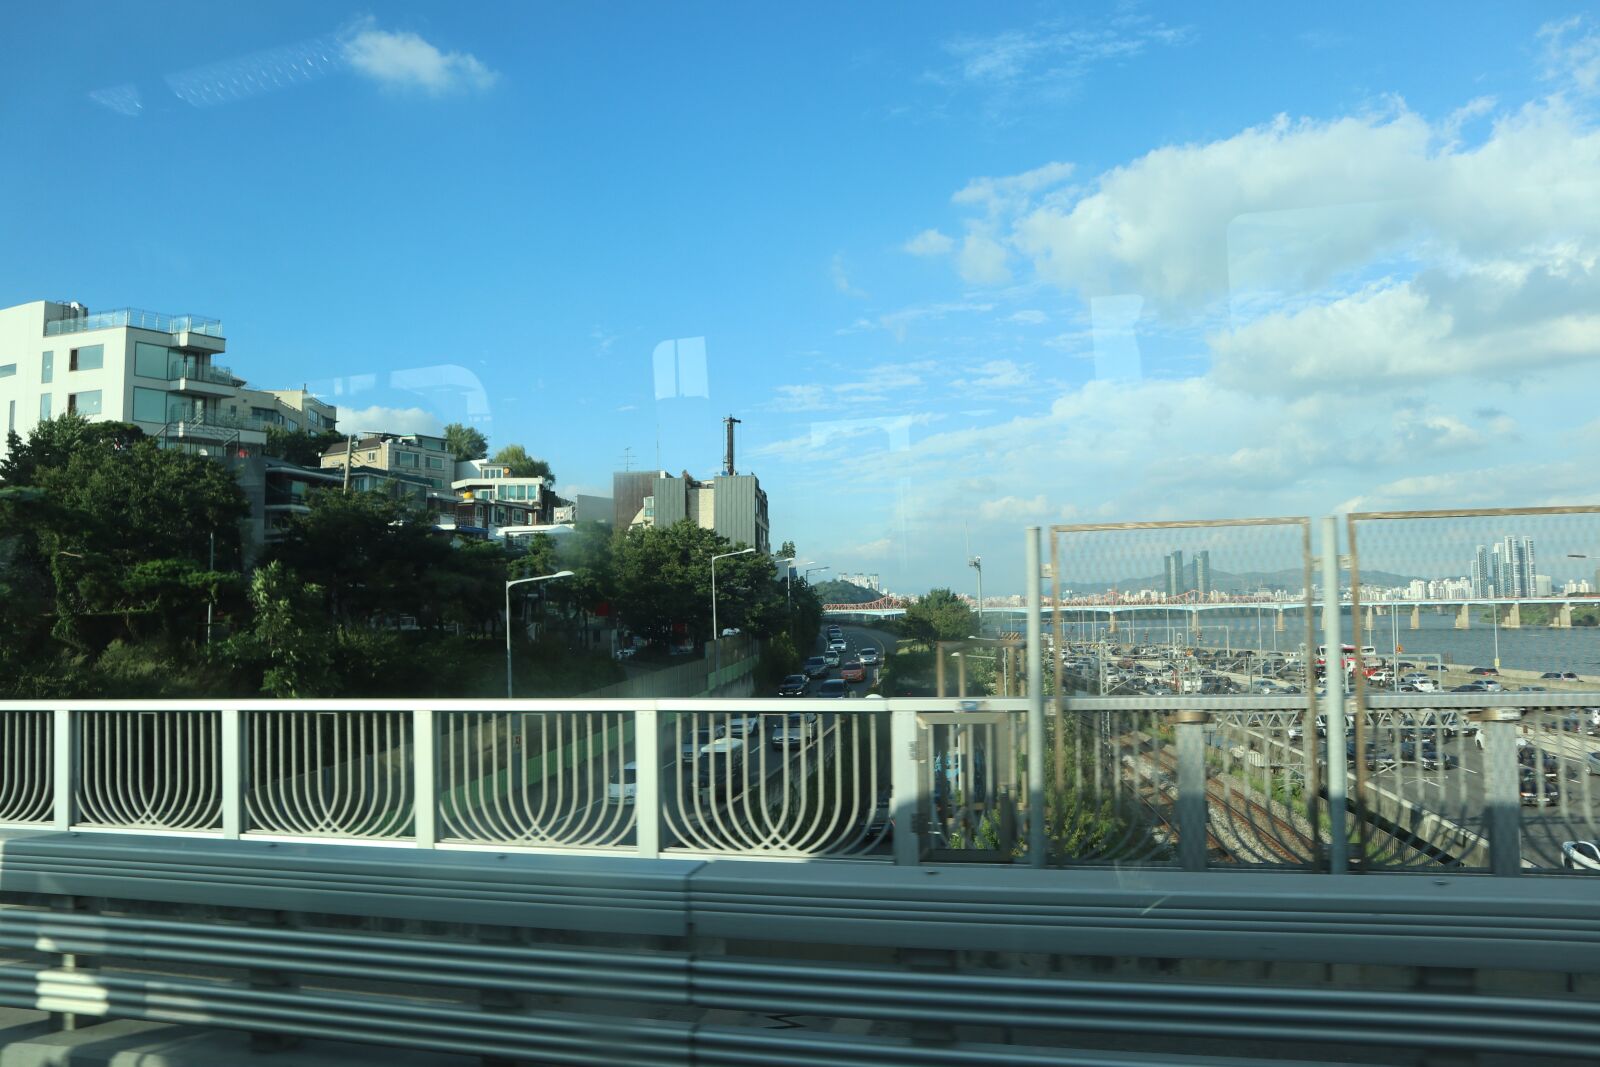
<point x="834" y="591"/>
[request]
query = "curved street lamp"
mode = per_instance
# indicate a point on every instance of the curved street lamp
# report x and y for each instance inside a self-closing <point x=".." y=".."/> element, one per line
<point x="716" y="634"/>
<point x="521" y="581"/>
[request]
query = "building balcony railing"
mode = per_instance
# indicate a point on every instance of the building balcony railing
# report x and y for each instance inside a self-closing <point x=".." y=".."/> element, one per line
<point x="136" y="318"/>
<point x="201" y="372"/>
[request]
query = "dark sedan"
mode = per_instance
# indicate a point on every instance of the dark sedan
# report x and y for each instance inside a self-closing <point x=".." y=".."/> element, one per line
<point x="794" y="686"/>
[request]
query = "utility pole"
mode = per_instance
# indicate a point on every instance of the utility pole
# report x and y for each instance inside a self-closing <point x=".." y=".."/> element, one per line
<point x="349" y="454"/>
<point x="212" y="603"/>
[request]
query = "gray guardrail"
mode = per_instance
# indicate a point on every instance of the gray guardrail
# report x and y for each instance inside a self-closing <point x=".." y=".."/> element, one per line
<point x="637" y="1004"/>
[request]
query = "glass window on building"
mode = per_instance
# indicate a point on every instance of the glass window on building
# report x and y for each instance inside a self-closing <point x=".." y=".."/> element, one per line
<point x="47" y="368"/>
<point x="85" y="403"/>
<point x="44" y="406"/>
<point x="149" y="405"/>
<point x="372" y="457"/>
<point x="435" y="463"/>
<point x="151" y="361"/>
<point x="89" y="357"/>
<point x="406" y="459"/>
<point x="7" y="370"/>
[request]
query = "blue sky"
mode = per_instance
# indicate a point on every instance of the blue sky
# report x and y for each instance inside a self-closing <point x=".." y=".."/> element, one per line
<point x="957" y="268"/>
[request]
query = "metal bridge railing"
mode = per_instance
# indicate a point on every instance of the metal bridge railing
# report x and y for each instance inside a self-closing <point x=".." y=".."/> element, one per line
<point x="1190" y="782"/>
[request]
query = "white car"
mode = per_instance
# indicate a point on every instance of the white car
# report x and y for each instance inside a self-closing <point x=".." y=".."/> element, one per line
<point x="838" y="644"/>
<point x="1580" y="855"/>
<point x="624" y="784"/>
<point x="867" y="655"/>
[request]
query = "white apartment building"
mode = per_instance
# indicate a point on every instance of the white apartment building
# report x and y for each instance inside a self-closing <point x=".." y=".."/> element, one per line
<point x="156" y="371"/>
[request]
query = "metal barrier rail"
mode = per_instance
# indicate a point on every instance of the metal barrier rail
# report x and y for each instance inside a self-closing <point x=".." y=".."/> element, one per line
<point x="157" y="965"/>
<point x="1191" y="782"/>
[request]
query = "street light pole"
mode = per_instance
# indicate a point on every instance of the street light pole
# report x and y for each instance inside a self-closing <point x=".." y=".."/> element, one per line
<point x="521" y="581"/>
<point x="716" y="634"/>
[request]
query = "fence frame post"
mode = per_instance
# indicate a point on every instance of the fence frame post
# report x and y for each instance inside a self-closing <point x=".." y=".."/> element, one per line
<point x="647" y="780"/>
<point x="425" y="777"/>
<point x="1193" y="811"/>
<point x="64" y="777"/>
<point x="232" y="773"/>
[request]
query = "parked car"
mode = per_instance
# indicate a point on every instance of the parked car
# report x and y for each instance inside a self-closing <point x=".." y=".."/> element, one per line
<point x="1538" y="792"/>
<point x="1580" y="855"/>
<point x="1548" y="763"/>
<point x="1569" y="676"/>
<point x="816" y="667"/>
<point x="1470" y="687"/>
<point x="794" y="686"/>
<point x="1551" y="674"/>
<point x="624" y="784"/>
<point x="854" y="671"/>
<point x="867" y="654"/>
<point x="833" y="689"/>
<point x="1492" y="686"/>
<point x="1593" y="760"/>
<point x="1484" y="671"/>
<point x="1427" y="754"/>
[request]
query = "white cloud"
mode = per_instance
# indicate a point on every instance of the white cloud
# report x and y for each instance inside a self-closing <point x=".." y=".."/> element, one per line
<point x="897" y="322"/>
<point x="841" y="279"/>
<point x="1572" y="53"/>
<point x="404" y="60"/>
<point x="929" y="243"/>
<point x="998" y="374"/>
<point x="995" y="194"/>
<point x="1186" y="226"/>
<point x="983" y="260"/>
<point x="1051" y="53"/>
<point x="390" y="420"/>
<point x="1489" y="320"/>
<point x="1014" y="509"/>
<point x="1028" y="317"/>
<point x="801" y="397"/>
<point x="879" y="549"/>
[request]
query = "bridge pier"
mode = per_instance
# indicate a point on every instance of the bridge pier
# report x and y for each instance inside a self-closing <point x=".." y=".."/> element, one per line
<point x="1563" y="619"/>
<point x="1112" y="628"/>
<point x="1513" y="618"/>
<point x="1369" y="623"/>
<point x="1416" y="616"/>
<point x="1464" y="618"/>
<point x="1279" y="626"/>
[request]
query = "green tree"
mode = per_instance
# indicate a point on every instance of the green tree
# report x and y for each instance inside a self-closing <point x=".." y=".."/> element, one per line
<point x="663" y="582"/>
<point x="291" y="636"/>
<point x="465" y="442"/>
<point x="523" y="465"/>
<point x="939" y="616"/>
<point x="788" y="551"/>
<point x="301" y="447"/>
